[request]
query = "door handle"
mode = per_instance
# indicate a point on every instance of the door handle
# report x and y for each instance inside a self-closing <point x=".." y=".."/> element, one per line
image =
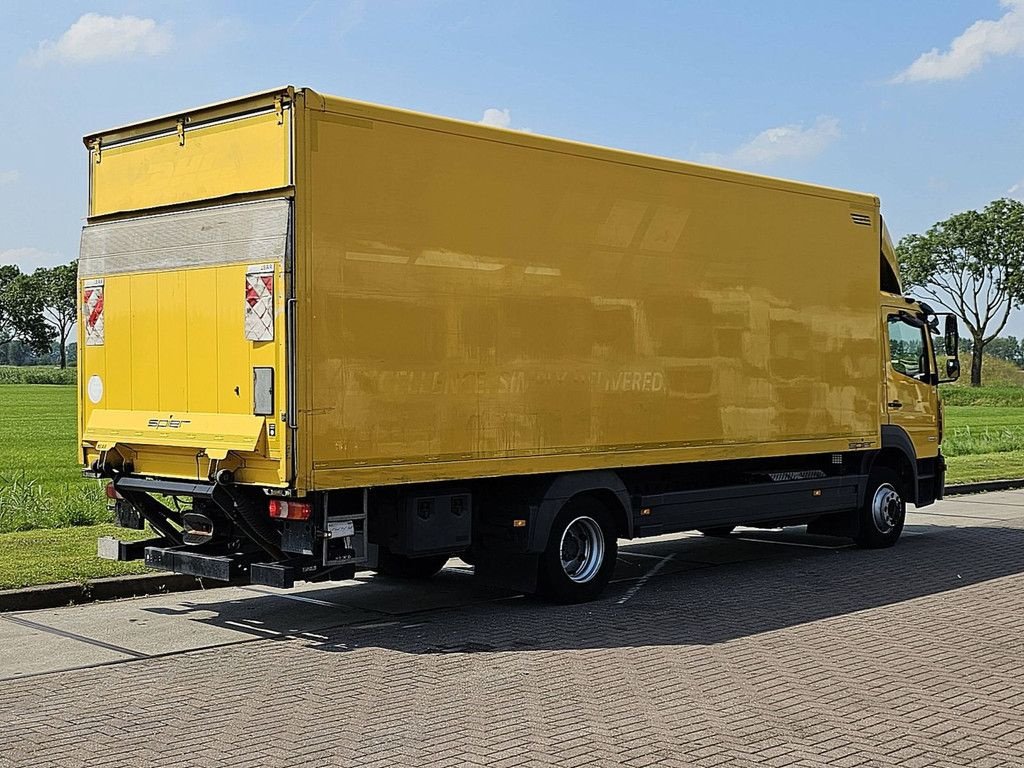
<point x="895" y="404"/>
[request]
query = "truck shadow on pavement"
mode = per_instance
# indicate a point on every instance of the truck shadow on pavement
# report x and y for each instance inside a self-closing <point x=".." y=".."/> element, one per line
<point x="705" y="592"/>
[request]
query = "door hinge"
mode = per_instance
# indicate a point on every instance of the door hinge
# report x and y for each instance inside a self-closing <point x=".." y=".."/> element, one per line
<point x="97" y="147"/>
<point x="279" y="108"/>
<point x="181" y="131"/>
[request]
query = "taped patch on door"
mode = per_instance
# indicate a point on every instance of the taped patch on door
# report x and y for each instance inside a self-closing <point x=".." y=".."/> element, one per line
<point x="92" y="312"/>
<point x="259" y="303"/>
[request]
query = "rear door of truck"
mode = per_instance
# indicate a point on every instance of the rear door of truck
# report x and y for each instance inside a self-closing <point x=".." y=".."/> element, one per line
<point x="184" y="280"/>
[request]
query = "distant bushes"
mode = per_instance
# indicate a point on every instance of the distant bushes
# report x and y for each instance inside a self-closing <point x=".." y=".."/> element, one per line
<point x="36" y="374"/>
<point x="997" y="395"/>
<point x="994" y="372"/>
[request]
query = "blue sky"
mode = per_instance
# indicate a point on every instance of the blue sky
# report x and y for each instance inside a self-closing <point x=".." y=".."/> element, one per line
<point x="919" y="102"/>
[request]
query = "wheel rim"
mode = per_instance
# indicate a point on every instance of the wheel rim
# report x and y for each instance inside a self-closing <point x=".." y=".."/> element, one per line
<point x="886" y="508"/>
<point x="582" y="549"/>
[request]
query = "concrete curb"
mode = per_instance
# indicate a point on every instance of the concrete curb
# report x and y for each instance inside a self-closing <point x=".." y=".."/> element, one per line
<point x="984" y="486"/>
<point x="113" y="587"/>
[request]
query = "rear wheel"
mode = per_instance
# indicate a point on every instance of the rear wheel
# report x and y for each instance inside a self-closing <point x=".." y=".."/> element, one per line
<point x="882" y="516"/>
<point x="580" y="555"/>
<point x="405" y="567"/>
<point x="721" y="530"/>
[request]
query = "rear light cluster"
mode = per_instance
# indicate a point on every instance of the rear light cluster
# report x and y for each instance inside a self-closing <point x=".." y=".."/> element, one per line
<point x="290" y="510"/>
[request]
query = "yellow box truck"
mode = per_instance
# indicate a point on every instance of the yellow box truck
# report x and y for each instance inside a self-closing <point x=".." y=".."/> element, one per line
<point x="320" y="335"/>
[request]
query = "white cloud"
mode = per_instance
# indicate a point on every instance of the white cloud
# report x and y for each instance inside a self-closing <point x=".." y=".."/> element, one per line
<point x="8" y="177"/>
<point x="30" y="258"/>
<point x="499" y="118"/>
<point x="98" y="38"/>
<point x="1016" y="191"/>
<point x="981" y="41"/>
<point x="786" y="142"/>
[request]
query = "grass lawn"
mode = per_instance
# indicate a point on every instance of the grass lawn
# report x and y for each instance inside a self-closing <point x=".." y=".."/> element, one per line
<point x="40" y="480"/>
<point x="39" y="427"/>
<point x="983" y="442"/>
<point x="972" y="430"/>
<point x="64" y="554"/>
<point x="985" y="466"/>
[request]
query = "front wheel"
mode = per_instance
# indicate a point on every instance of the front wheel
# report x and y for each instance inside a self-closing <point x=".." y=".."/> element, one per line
<point x="580" y="555"/>
<point x="884" y="512"/>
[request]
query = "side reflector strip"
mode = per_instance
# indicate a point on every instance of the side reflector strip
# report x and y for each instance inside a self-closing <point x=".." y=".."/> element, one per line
<point x="259" y="302"/>
<point x="92" y="312"/>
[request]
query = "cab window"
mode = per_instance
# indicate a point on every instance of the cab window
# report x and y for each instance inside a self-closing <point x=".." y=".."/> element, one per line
<point x="908" y="349"/>
<point x="889" y="282"/>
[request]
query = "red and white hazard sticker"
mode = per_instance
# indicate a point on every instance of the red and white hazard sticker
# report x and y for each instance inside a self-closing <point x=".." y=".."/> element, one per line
<point x="259" y="303"/>
<point x="92" y="312"/>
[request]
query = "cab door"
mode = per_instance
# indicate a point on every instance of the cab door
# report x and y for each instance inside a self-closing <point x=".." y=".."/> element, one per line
<point x="911" y="396"/>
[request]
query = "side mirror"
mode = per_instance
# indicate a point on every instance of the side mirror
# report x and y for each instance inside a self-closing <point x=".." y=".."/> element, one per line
<point x="952" y="339"/>
<point x="952" y="369"/>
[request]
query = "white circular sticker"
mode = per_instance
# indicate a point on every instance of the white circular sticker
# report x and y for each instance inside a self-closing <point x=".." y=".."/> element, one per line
<point x="95" y="389"/>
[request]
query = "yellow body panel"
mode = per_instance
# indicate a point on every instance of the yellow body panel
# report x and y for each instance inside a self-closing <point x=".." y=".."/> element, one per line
<point x="176" y="371"/>
<point x="482" y="302"/>
<point x="228" y="432"/>
<point x="247" y="154"/>
<point x="475" y="302"/>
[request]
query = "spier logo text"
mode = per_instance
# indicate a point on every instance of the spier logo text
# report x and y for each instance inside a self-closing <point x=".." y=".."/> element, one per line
<point x="165" y="423"/>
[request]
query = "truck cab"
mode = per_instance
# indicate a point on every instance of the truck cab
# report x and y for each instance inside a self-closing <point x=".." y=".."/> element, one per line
<point x="920" y="350"/>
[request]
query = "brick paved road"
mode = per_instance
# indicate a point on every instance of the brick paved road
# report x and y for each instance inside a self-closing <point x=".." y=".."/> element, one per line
<point x="771" y="649"/>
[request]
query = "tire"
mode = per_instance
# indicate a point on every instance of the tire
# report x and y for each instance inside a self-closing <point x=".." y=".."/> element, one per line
<point x="127" y="516"/>
<point x="580" y="555"/>
<point x="717" y="531"/>
<point x="881" y="518"/>
<point x="405" y="567"/>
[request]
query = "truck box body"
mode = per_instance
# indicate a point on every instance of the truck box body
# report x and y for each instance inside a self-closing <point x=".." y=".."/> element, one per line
<point x="341" y="335"/>
<point x="468" y="302"/>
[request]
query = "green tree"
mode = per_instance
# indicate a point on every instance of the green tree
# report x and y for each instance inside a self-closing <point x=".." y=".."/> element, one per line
<point x="58" y="287"/>
<point x="972" y="264"/>
<point x="1007" y="348"/>
<point x="21" y="311"/>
